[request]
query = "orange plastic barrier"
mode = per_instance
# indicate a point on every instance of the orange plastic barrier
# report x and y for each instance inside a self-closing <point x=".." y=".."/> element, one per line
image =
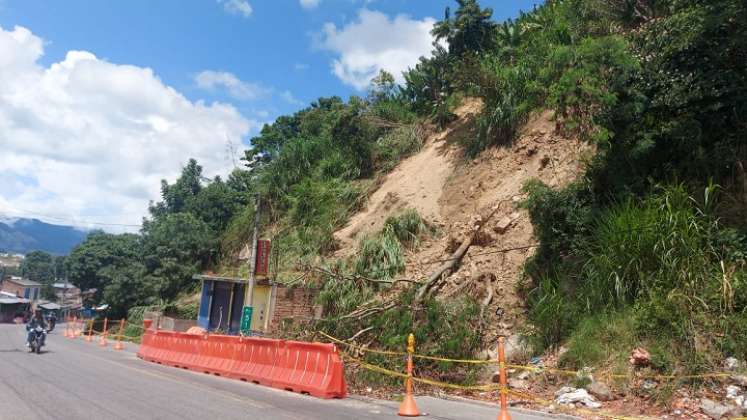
<point x="256" y="360"/>
<point x="310" y="368"/>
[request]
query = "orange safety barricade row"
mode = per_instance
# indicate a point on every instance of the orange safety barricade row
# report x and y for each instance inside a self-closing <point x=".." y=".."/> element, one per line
<point x="310" y="368"/>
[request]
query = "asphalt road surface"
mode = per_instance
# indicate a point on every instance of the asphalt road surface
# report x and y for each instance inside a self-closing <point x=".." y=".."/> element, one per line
<point x="73" y="379"/>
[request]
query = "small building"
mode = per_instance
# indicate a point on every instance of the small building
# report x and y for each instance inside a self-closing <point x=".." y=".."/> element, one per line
<point x="67" y="294"/>
<point x="223" y="304"/>
<point x="13" y="307"/>
<point x="22" y="288"/>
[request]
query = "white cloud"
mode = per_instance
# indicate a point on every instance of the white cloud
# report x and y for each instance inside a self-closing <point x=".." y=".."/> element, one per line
<point x="309" y="4"/>
<point x="87" y="139"/>
<point x="288" y="97"/>
<point x="375" y="42"/>
<point x="237" y="88"/>
<point x="237" y="7"/>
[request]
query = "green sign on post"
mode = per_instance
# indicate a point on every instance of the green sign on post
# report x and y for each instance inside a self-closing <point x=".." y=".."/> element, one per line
<point x="246" y="320"/>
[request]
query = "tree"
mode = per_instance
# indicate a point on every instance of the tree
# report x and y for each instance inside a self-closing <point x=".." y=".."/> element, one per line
<point x="427" y="85"/>
<point x="383" y="87"/>
<point x="101" y="251"/>
<point x="126" y="286"/>
<point x="38" y="266"/>
<point x="176" y="196"/>
<point x="174" y="248"/>
<point x="470" y="30"/>
<point x="215" y="204"/>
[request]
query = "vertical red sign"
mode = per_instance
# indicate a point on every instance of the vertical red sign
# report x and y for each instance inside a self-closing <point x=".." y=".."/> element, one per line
<point x="263" y="258"/>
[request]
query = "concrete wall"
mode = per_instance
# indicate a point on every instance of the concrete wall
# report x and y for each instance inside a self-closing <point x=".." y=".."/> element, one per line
<point x="170" y="324"/>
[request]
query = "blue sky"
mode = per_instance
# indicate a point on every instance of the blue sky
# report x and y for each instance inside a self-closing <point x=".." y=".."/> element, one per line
<point x="237" y="64"/>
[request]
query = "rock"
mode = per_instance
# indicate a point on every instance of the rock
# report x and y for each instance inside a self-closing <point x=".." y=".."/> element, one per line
<point x="648" y="385"/>
<point x="732" y="391"/>
<point x="732" y="363"/>
<point x="544" y="162"/>
<point x="640" y="357"/>
<point x="516" y="347"/>
<point x="584" y="375"/>
<point x="496" y="377"/>
<point x="600" y="391"/>
<point x="516" y="383"/>
<point x="570" y="396"/>
<point x="564" y="390"/>
<point x="715" y="410"/>
<point x="524" y="375"/>
<point x="740" y="380"/>
<point x="503" y="225"/>
<point x="487" y="354"/>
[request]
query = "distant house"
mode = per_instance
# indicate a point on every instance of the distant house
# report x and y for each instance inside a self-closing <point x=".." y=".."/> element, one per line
<point x="12" y="307"/>
<point x="21" y="288"/>
<point x="67" y="292"/>
<point x="70" y="298"/>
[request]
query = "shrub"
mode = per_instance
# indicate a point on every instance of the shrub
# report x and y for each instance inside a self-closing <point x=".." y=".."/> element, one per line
<point x="408" y="227"/>
<point x="380" y="256"/>
<point x="396" y="145"/>
<point x="667" y="258"/>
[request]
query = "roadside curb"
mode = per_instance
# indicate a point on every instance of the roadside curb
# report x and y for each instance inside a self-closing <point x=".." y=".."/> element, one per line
<point x="454" y="398"/>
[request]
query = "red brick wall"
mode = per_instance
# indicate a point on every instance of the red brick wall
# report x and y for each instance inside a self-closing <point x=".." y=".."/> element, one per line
<point x="297" y="304"/>
<point x="13" y="288"/>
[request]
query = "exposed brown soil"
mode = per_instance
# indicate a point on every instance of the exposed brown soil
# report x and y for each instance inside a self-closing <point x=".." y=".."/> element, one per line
<point x="450" y="191"/>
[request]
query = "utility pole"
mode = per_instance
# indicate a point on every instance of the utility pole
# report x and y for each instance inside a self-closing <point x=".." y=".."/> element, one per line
<point x="249" y="295"/>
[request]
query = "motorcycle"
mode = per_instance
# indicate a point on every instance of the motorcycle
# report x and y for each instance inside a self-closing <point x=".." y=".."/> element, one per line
<point x="37" y="339"/>
<point x="51" y="321"/>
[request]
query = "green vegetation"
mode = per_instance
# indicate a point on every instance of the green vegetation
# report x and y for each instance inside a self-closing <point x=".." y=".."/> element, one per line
<point x="648" y="247"/>
<point x="179" y="239"/>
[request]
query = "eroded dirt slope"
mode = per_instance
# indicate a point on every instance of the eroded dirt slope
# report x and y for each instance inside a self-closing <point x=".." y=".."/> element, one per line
<point x="450" y="192"/>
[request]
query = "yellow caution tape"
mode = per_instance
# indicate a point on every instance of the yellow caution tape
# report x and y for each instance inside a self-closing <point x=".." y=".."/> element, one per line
<point x="431" y="382"/>
<point x="537" y="369"/>
<point x="367" y="350"/>
<point x="484" y="388"/>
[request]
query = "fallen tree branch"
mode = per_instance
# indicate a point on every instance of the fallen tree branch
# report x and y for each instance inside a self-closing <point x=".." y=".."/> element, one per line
<point x="448" y="267"/>
<point x="358" y="334"/>
<point x="363" y="314"/>
<point x="357" y="277"/>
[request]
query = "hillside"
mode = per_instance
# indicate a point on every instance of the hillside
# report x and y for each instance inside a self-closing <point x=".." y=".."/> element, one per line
<point x="25" y="235"/>
<point x="449" y="190"/>
<point x="574" y="176"/>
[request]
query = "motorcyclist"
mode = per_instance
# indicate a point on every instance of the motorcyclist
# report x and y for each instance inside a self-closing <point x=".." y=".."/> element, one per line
<point x="36" y="321"/>
<point x="52" y="320"/>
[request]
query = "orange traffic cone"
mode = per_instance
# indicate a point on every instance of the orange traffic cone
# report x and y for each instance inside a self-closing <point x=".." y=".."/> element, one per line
<point x="504" y="414"/>
<point x="66" y="334"/>
<point x="119" y="345"/>
<point x="74" y="333"/>
<point x="408" y="408"/>
<point x="102" y="341"/>
<point x="89" y="337"/>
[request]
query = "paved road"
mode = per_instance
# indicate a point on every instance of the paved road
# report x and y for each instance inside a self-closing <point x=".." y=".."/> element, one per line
<point x="75" y="380"/>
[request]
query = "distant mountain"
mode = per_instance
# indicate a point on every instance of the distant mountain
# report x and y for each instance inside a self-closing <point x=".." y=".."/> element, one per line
<point x="25" y="235"/>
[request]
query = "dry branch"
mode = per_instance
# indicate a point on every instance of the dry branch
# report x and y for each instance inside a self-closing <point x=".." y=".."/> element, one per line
<point x="448" y="267"/>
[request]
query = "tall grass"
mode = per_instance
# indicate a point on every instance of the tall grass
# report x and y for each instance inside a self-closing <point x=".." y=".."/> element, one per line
<point x="668" y="264"/>
<point x="408" y="226"/>
<point x="396" y="145"/>
<point x="380" y="256"/>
